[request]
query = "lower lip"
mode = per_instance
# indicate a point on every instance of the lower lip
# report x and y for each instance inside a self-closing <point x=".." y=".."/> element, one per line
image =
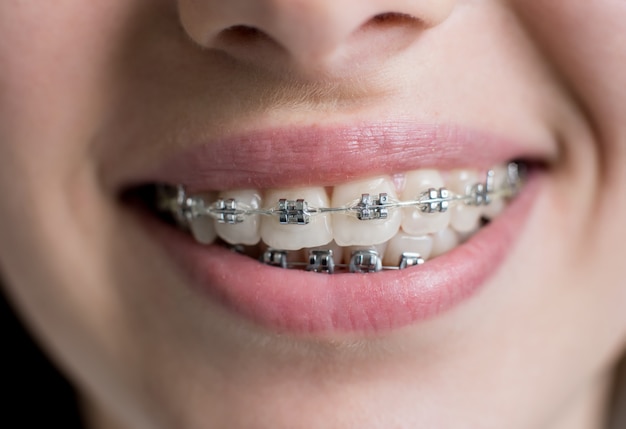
<point x="296" y="301"/>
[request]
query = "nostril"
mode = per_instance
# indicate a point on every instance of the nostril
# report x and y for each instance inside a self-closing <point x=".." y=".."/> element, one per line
<point x="243" y="30"/>
<point x="393" y="18"/>
<point x="242" y="33"/>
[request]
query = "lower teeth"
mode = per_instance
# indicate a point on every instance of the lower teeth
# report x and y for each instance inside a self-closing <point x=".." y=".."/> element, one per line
<point x="339" y="259"/>
<point x="323" y="261"/>
<point x="173" y="201"/>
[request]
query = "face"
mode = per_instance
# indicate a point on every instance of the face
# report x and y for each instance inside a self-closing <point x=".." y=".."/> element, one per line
<point x="512" y="322"/>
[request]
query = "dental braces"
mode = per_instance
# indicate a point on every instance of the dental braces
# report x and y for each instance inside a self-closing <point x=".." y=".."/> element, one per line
<point x="185" y="208"/>
<point x="323" y="261"/>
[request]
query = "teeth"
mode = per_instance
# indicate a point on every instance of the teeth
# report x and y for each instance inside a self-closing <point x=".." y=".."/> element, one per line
<point x="365" y="228"/>
<point x="414" y="220"/>
<point x="203" y="230"/>
<point x="444" y="241"/>
<point x="317" y="232"/>
<point x="464" y="218"/>
<point x="202" y="227"/>
<point x="350" y="231"/>
<point x="493" y="209"/>
<point x="497" y="205"/>
<point x="403" y="243"/>
<point x="248" y="231"/>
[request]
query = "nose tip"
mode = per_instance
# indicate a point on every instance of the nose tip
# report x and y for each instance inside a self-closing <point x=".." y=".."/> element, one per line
<point x="309" y="34"/>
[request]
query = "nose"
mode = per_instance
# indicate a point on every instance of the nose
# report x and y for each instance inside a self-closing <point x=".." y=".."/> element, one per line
<point x="310" y="34"/>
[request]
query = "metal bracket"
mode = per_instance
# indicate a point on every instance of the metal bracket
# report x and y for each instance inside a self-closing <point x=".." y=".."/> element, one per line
<point x="293" y="212"/>
<point x="410" y="259"/>
<point x="226" y="211"/>
<point x="365" y="261"/>
<point x="321" y="261"/>
<point x="371" y="208"/>
<point x="275" y="258"/>
<point x="435" y="200"/>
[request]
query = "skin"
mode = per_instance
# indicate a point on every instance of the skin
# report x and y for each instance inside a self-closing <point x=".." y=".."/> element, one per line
<point x="92" y="91"/>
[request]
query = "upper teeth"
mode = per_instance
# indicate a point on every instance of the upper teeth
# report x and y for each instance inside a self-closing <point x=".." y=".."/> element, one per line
<point x="362" y="213"/>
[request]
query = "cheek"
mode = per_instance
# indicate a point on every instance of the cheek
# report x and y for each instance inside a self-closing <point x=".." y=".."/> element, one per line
<point x="53" y="95"/>
<point x="56" y="62"/>
<point x="52" y="102"/>
<point x="48" y="104"/>
<point x="586" y="44"/>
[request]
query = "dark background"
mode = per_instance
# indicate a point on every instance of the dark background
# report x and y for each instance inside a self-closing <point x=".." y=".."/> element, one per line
<point x="34" y="394"/>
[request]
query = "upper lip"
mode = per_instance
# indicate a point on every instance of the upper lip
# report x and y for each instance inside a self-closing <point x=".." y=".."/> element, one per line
<point x="324" y="156"/>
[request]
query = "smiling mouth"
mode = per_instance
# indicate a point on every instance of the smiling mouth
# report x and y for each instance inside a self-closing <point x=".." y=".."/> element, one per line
<point x="382" y="223"/>
<point x="417" y="221"/>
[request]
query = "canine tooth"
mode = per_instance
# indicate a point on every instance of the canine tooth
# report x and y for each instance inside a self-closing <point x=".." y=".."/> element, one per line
<point x="248" y="231"/>
<point x="349" y="230"/>
<point x="402" y="243"/>
<point x="464" y="218"/>
<point x="201" y="227"/>
<point x="294" y="237"/>
<point x="444" y="241"/>
<point x="414" y="220"/>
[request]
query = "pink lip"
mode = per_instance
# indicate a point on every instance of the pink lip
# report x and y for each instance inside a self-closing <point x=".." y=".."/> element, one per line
<point x="326" y="156"/>
<point x="302" y="302"/>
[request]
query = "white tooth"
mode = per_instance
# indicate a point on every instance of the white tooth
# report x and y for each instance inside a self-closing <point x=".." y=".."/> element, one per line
<point x="294" y="237"/>
<point x="444" y="241"/>
<point x="464" y="218"/>
<point x="493" y="209"/>
<point x="407" y="243"/>
<point x="464" y="236"/>
<point x="414" y="221"/>
<point x="496" y="206"/>
<point x="248" y="231"/>
<point x="202" y="227"/>
<point x="379" y="248"/>
<point x="350" y="231"/>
